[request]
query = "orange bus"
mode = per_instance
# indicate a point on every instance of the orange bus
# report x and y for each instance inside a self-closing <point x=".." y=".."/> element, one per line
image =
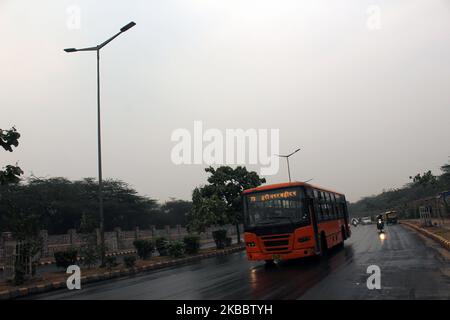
<point x="293" y="220"/>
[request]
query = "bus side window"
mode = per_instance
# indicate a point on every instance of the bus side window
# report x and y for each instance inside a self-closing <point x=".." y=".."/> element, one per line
<point x="341" y="208"/>
<point x="330" y="206"/>
<point x="333" y="205"/>
<point x="323" y="205"/>
<point x="338" y="206"/>
<point x="318" y="206"/>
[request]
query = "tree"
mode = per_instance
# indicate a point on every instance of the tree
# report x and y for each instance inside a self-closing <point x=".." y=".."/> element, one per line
<point x="58" y="204"/>
<point x="422" y="186"/>
<point x="445" y="177"/>
<point x="23" y="227"/>
<point x="207" y="210"/>
<point x="175" y="212"/>
<point x="223" y="193"/>
<point x="425" y="179"/>
<point x="8" y="140"/>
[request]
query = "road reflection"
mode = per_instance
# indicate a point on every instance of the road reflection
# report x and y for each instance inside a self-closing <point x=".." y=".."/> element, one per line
<point x="290" y="279"/>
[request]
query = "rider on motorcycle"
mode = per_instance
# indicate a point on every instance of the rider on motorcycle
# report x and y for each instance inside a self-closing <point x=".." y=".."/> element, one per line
<point x="380" y="222"/>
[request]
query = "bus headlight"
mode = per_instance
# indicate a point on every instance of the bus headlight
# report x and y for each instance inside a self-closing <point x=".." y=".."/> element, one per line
<point x="251" y="244"/>
<point x="304" y="239"/>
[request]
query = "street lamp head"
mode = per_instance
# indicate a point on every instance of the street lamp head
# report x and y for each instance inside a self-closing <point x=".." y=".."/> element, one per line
<point x="70" y="50"/>
<point x="128" y="26"/>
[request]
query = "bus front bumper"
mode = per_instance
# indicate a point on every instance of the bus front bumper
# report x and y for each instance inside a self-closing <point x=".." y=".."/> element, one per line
<point x="294" y="254"/>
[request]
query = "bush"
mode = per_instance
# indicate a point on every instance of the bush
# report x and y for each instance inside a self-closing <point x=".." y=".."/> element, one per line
<point x="220" y="237"/>
<point x="192" y="244"/>
<point x="90" y="254"/>
<point x="176" y="249"/>
<point x="64" y="259"/>
<point x="110" y="262"/>
<point x="161" y="244"/>
<point x="228" y="241"/>
<point x="129" y="261"/>
<point x="144" y="248"/>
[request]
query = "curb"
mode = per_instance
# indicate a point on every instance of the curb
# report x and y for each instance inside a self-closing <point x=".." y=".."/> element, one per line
<point x="111" y="254"/>
<point x="443" y="242"/>
<point x="21" y="292"/>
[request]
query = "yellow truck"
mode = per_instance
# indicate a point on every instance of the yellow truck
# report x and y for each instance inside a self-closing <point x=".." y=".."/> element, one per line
<point x="390" y="217"/>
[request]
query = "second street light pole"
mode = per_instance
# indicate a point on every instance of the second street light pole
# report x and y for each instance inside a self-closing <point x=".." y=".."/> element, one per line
<point x="100" y="177"/>
<point x="287" y="159"/>
<point x="289" y="170"/>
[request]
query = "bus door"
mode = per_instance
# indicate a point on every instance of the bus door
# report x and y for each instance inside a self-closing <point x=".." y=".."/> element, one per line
<point x="345" y="211"/>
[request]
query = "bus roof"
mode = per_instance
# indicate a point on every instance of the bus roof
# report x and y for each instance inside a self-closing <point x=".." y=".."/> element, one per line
<point x="286" y="185"/>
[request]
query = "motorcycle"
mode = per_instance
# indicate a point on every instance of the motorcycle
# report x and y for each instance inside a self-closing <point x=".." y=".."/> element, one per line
<point x="380" y="226"/>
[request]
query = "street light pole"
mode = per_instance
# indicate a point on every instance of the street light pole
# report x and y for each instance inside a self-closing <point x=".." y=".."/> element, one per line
<point x="287" y="159"/>
<point x="100" y="171"/>
<point x="99" y="157"/>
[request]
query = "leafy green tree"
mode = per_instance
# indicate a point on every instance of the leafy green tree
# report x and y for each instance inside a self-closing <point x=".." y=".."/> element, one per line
<point x="445" y="177"/>
<point x="207" y="210"/>
<point x="90" y="251"/>
<point x="220" y="201"/>
<point x="8" y="140"/>
<point x="59" y="204"/>
<point x="21" y="224"/>
<point x="422" y="186"/>
<point x="425" y="179"/>
<point x="175" y="212"/>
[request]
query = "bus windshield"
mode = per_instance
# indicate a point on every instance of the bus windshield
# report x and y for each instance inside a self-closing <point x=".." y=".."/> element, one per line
<point x="283" y="206"/>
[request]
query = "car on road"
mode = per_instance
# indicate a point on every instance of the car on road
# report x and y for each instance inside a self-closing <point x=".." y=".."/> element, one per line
<point x="366" y="220"/>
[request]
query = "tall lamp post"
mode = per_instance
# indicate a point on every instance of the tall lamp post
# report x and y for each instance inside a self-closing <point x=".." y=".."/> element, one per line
<point x="100" y="181"/>
<point x="287" y="159"/>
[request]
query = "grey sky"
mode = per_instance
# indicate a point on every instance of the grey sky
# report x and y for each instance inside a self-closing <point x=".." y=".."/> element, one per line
<point x="368" y="107"/>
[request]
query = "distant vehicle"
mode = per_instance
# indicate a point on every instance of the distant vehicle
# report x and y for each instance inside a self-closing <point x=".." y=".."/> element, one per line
<point x="390" y="217"/>
<point x="354" y="222"/>
<point x="366" y="220"/>
<point x="293" y="220"/>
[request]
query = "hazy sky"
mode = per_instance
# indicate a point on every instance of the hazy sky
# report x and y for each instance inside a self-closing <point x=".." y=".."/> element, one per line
<point x="362" y="86"/>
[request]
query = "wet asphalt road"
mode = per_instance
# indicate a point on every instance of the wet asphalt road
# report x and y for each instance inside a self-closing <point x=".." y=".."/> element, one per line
<point x="409" y="270"/>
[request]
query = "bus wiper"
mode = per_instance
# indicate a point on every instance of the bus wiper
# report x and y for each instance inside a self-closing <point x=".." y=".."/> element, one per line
<point x="284" y="217"/>
<point x="263" y="223"/>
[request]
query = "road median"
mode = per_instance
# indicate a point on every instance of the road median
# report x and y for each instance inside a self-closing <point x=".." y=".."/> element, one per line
<point x="57" y="280"/>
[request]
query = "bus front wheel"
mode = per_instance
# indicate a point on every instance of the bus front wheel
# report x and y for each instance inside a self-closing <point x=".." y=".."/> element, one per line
<point x="269" y="263"/>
